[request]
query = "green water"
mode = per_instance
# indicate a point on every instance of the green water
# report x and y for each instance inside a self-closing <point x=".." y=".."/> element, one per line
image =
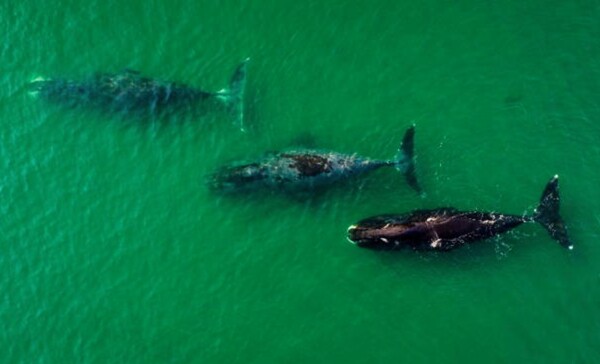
<point x="113" y="251"/>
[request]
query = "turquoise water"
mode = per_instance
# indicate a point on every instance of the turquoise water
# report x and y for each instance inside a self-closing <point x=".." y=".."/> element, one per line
<point x="114" y="251"/>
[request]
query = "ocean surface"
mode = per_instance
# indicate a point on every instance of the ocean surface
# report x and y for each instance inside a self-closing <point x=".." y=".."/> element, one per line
<point x="113" y="250"/>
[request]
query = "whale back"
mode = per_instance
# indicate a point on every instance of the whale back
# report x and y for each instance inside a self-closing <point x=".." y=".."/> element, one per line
<point x="438" y="229"/>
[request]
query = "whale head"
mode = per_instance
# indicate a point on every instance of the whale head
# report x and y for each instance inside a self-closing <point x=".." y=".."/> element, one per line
<point x="379" y="232"/>
<point x="235" y="178"/>
<point x="36" y="85"/>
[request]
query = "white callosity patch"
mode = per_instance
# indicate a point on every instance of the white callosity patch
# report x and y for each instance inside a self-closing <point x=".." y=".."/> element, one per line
<point x="35" y="91"/>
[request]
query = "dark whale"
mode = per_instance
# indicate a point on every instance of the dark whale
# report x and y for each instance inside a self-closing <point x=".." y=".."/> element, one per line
<point x="308" y="169"/>
<point x="447" y="228"/>
<point x="130" y="91"/>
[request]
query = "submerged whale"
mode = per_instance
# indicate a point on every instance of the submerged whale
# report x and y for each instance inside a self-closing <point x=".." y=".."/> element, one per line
<point x="447" y="228"/>
<point x="308" y="169"/>
<point x="130" y="91"/>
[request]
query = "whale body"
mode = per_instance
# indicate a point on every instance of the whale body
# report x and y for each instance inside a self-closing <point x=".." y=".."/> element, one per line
<point x="129" y="90"/>
<point x="308" y="169"/>
<point x="447" y="228"/>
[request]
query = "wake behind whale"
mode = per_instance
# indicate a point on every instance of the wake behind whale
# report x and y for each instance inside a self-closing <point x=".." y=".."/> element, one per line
<point x="129" y="90"/>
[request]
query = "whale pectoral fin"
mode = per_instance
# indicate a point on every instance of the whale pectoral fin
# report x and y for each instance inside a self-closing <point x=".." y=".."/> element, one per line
<point x="304" y="140"/>
<point x="305" y="196"/>
<point x="436" y="243"/>
<point x="270" y="154"/>
<point x="130" y="71"/>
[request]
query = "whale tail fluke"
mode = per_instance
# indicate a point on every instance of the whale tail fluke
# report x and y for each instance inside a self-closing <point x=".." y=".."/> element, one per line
<point x="233" y="95"/>
<point x="405" y="160"/>
<point x="547" y="214"/>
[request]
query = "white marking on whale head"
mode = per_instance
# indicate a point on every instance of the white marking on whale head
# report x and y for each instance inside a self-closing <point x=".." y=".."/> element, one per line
<point x="570" y="247"/>
<point x="34" y="92"/>
<point x="384" y="240"/>
<point x="351" y="227"/>
<point x="38" y="78"/>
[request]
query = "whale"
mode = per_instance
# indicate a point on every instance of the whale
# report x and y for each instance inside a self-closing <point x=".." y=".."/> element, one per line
<point x="446" y="228"/>
<point x="305" y="170"/>
<point x="129" y="90"/>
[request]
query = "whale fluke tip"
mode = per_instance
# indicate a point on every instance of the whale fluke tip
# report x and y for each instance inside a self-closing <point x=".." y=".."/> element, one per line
<point x="547" y="214"/>
<point x="405" y="159"/>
